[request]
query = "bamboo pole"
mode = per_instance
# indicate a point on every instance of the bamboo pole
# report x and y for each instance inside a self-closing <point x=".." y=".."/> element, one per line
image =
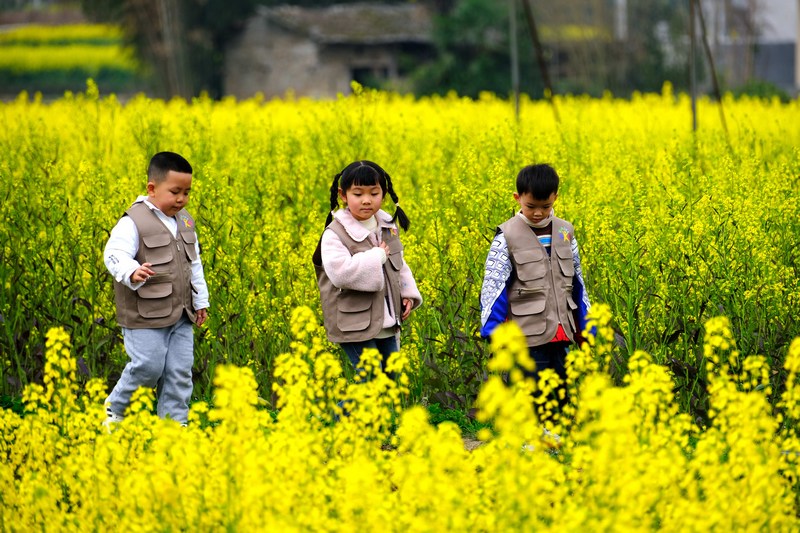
<point x="713" y="69"/>
<point x="797" y="54"/>
<point x="512" y="30"/>
<point x="537" y="45"/>
<point x="692" y="74"/>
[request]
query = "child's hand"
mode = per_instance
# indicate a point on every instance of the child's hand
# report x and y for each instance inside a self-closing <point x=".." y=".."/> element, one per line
<point x="142" y="273"/>
<point x="407" y="303"/>
<point x="202" y="316"/>
<point x="385" y="248"/>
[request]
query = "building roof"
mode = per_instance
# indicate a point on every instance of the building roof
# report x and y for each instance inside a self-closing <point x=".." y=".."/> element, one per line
<point x="355" y="23"/>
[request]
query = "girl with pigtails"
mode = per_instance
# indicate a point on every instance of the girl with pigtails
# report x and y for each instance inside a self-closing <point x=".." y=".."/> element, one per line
<point x="366" y="288"/>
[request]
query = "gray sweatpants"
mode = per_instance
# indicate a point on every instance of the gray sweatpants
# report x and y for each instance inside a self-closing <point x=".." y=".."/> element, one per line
<point x="160" y="358"/>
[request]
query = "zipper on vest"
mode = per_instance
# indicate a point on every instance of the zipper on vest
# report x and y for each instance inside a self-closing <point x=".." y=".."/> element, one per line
<point x="529" y="290"/>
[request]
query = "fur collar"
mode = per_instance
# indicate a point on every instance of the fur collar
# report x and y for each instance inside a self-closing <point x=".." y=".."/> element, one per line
<point x="355" y="229"/>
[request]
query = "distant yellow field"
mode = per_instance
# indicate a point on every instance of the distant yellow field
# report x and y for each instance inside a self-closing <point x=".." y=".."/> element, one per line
<point x="91" y="59"/>
<point x="35" y="34"/>
<point x="37" y="57"/>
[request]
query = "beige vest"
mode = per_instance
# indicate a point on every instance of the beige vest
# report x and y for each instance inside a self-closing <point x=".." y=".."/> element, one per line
<point x="354" y="316"/>
<point x="540" y="295"/>
<point x="164" y="297"/>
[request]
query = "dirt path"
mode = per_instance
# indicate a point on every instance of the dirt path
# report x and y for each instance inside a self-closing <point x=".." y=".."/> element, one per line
<point x="470" y="443"/>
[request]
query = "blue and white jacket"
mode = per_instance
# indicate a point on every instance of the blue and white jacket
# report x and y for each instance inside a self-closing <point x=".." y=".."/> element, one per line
<point x="499" y="274"/>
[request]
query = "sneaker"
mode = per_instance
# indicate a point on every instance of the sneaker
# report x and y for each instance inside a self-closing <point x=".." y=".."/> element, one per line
<point x="111" y="418"/>
<point x="550" y="439"/>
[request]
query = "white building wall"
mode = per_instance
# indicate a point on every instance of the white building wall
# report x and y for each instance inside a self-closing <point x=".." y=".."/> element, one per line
<point x="772" y="54"/>
<point x="778" y="20"/>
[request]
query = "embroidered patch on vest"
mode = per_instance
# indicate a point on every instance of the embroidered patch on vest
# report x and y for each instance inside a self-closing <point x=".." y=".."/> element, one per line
<point x="565" y="233"/>
<point x="187" y="221"/>
<point x="393" y="231"/>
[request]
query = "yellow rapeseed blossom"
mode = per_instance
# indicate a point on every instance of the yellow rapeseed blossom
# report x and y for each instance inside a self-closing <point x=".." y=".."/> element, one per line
<point x="509" y="349"/>
<point x="673" y="236"/>
<point x="628" y="460"/>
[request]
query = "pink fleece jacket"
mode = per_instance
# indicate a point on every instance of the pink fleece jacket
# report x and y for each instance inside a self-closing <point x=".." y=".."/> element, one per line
<point x="364" y="271"/>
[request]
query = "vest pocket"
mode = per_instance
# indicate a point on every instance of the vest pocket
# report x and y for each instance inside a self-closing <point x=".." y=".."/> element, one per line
<point x="571" y="305"/>
<point x="157" y="278"/>
<point x="353" y="310"/>
<point x="563" y="250"/>
<point x="565" y="260"/>
<point x="157" y="249"/>
<point x="395" y="245"/>
<point x="396" y="260"/>
<point x="567" y="267"/>
<point x="189" y="239"/>
<point x="530" y="264"/>
<point x="155" y="300"/>
<point x="532" y="303"/>
<point x="528" y="306"/>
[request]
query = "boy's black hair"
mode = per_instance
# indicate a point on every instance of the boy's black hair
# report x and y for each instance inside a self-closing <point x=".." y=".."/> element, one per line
<point x="365" y="173"/>
<point x="163" y="162"/>
<point x="538" y="180"/>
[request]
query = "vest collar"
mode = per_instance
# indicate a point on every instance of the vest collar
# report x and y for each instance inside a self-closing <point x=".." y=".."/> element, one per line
<point x="180" y="216"/>
<point x="355" y="229"/>
<point x="538" y="225"/>
<point x="146" y="201"/>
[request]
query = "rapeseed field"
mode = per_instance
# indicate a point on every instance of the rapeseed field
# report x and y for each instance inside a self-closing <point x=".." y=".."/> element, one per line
<point x="683" y="408"/>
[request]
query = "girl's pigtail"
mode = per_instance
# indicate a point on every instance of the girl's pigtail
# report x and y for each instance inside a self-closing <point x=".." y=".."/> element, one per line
<point x="334" y="198"/>
<point x="399" y="215"/>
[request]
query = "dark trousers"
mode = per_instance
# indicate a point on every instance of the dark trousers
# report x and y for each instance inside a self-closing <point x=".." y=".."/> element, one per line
<point x="386" y="346"/>
<point x="551" y="355"/>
